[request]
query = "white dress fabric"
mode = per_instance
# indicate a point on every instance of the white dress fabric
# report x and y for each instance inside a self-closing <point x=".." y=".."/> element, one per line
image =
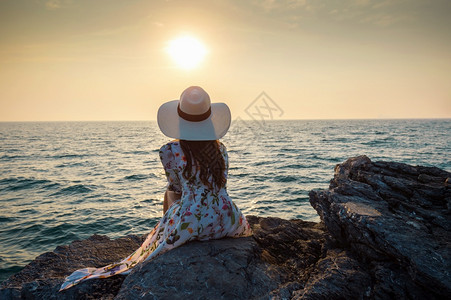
<point x="201" y="214"/>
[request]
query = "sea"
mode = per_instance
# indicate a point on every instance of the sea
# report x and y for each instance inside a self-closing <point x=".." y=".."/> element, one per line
<point x="65" y="181"/>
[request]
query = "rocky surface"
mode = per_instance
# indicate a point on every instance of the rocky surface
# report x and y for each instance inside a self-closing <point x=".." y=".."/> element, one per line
<point x="396" y="218"/>
<point x="384" y="234"/>
<point x="42" y="278"/>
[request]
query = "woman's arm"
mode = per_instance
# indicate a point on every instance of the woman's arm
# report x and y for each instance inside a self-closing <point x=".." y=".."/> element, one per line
<point x="173" y="191"/>
<point x="169" y="198"/>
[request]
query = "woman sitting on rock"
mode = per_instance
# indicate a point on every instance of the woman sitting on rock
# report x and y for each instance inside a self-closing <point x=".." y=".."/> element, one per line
<point x="196" y="204"/>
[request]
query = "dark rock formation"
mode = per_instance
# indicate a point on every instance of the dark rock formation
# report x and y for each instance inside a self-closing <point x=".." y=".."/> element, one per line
<point x="205" y="270"/>
<point x="42" y="278"/>
<point x="385" y="234"/>
<point x="396" y="219"/>
<point x="336" y="276"/>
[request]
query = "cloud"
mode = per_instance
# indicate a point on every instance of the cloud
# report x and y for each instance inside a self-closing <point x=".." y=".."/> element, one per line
<point x="56" y="4"/>
<point x="53" y="4"/>
<point x="116" y="30"/>
<point x="386" y="20"/>
<point x="271" y="5"/>
<point x="388" y="3"/>
<point x="379" y="13"/>
<point x="362" y="3"/>
<point x="158" y="24"/>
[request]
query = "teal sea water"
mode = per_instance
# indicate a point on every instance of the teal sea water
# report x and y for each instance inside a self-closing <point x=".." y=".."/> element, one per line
<point x="63" y="181"/>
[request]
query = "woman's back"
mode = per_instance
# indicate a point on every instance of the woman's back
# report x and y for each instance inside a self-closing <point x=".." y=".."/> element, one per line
<point x="205" y="212"/>
<point x="183" y="171"/>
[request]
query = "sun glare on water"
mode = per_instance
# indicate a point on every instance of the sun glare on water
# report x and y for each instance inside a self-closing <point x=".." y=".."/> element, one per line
<point x="187" y="52"/>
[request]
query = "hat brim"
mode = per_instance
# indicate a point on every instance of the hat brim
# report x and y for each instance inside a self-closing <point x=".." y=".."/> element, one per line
<point x="212" y="128"/>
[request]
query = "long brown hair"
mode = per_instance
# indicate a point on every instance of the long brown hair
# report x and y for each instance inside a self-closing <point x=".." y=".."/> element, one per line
<point x="208" y="160"/>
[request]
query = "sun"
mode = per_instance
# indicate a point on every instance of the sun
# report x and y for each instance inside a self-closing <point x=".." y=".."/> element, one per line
<point x="187" y="52"/>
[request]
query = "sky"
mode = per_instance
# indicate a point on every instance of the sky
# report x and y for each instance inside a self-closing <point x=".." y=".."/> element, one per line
<point x="68" y="60"/>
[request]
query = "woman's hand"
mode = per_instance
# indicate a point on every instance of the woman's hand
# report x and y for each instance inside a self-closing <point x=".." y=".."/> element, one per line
<point x="169" y="198"/>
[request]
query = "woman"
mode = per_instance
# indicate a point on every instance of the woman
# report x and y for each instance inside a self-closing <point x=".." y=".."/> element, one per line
<point x="196" y="205"/>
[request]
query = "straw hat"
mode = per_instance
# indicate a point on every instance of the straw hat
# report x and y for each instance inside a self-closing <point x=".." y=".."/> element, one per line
<point x="194" y="117"/>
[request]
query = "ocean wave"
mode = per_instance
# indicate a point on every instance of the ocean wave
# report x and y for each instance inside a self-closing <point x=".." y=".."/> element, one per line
<point x="384" y="141"/>
<point x="260" y="178"/>
<point x="40" y="236"/>
<point x="294" y="166"/>
<point x="297" y="200"/>
<point x="7" y="220"/>
<point x="59" y="230"/>
<point x="59" y="156"/>
<point x="21" y="183"/>
<point x="285" y="178"/>
<point x="289" y="150"/>
<point x="27" y="211"/>
<point x="152" y="201"/>
<point x="11" y="157"/>
<point x="263" y="163"/>
<point x="266" y="202"/>
<point x="335" y="139"/>
<point x="239" y="175"/>
<point x="135" y="177"/>
<point x="138" y="152"/>
<point x="51" y="186"/>
<point x="29" y="231"/>
<point x="74" y="189"/>
<point x="70" y="165"/>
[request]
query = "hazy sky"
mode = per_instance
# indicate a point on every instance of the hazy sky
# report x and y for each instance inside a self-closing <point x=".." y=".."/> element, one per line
<point x="328" y="59"/>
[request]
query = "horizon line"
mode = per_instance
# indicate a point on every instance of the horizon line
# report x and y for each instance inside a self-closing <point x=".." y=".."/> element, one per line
<point x="239" y="118"/>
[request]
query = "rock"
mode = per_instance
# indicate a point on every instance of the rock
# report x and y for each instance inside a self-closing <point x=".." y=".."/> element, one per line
<point x="337" y="276"/>
<point x="385" y="234"/>
<point x="42" y="278"/>
<point x="396" y="219"/>
<point x="226" y="268"/>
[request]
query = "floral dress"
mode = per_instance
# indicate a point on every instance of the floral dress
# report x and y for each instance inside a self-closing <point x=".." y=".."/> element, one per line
<point x="201" y="214"/>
